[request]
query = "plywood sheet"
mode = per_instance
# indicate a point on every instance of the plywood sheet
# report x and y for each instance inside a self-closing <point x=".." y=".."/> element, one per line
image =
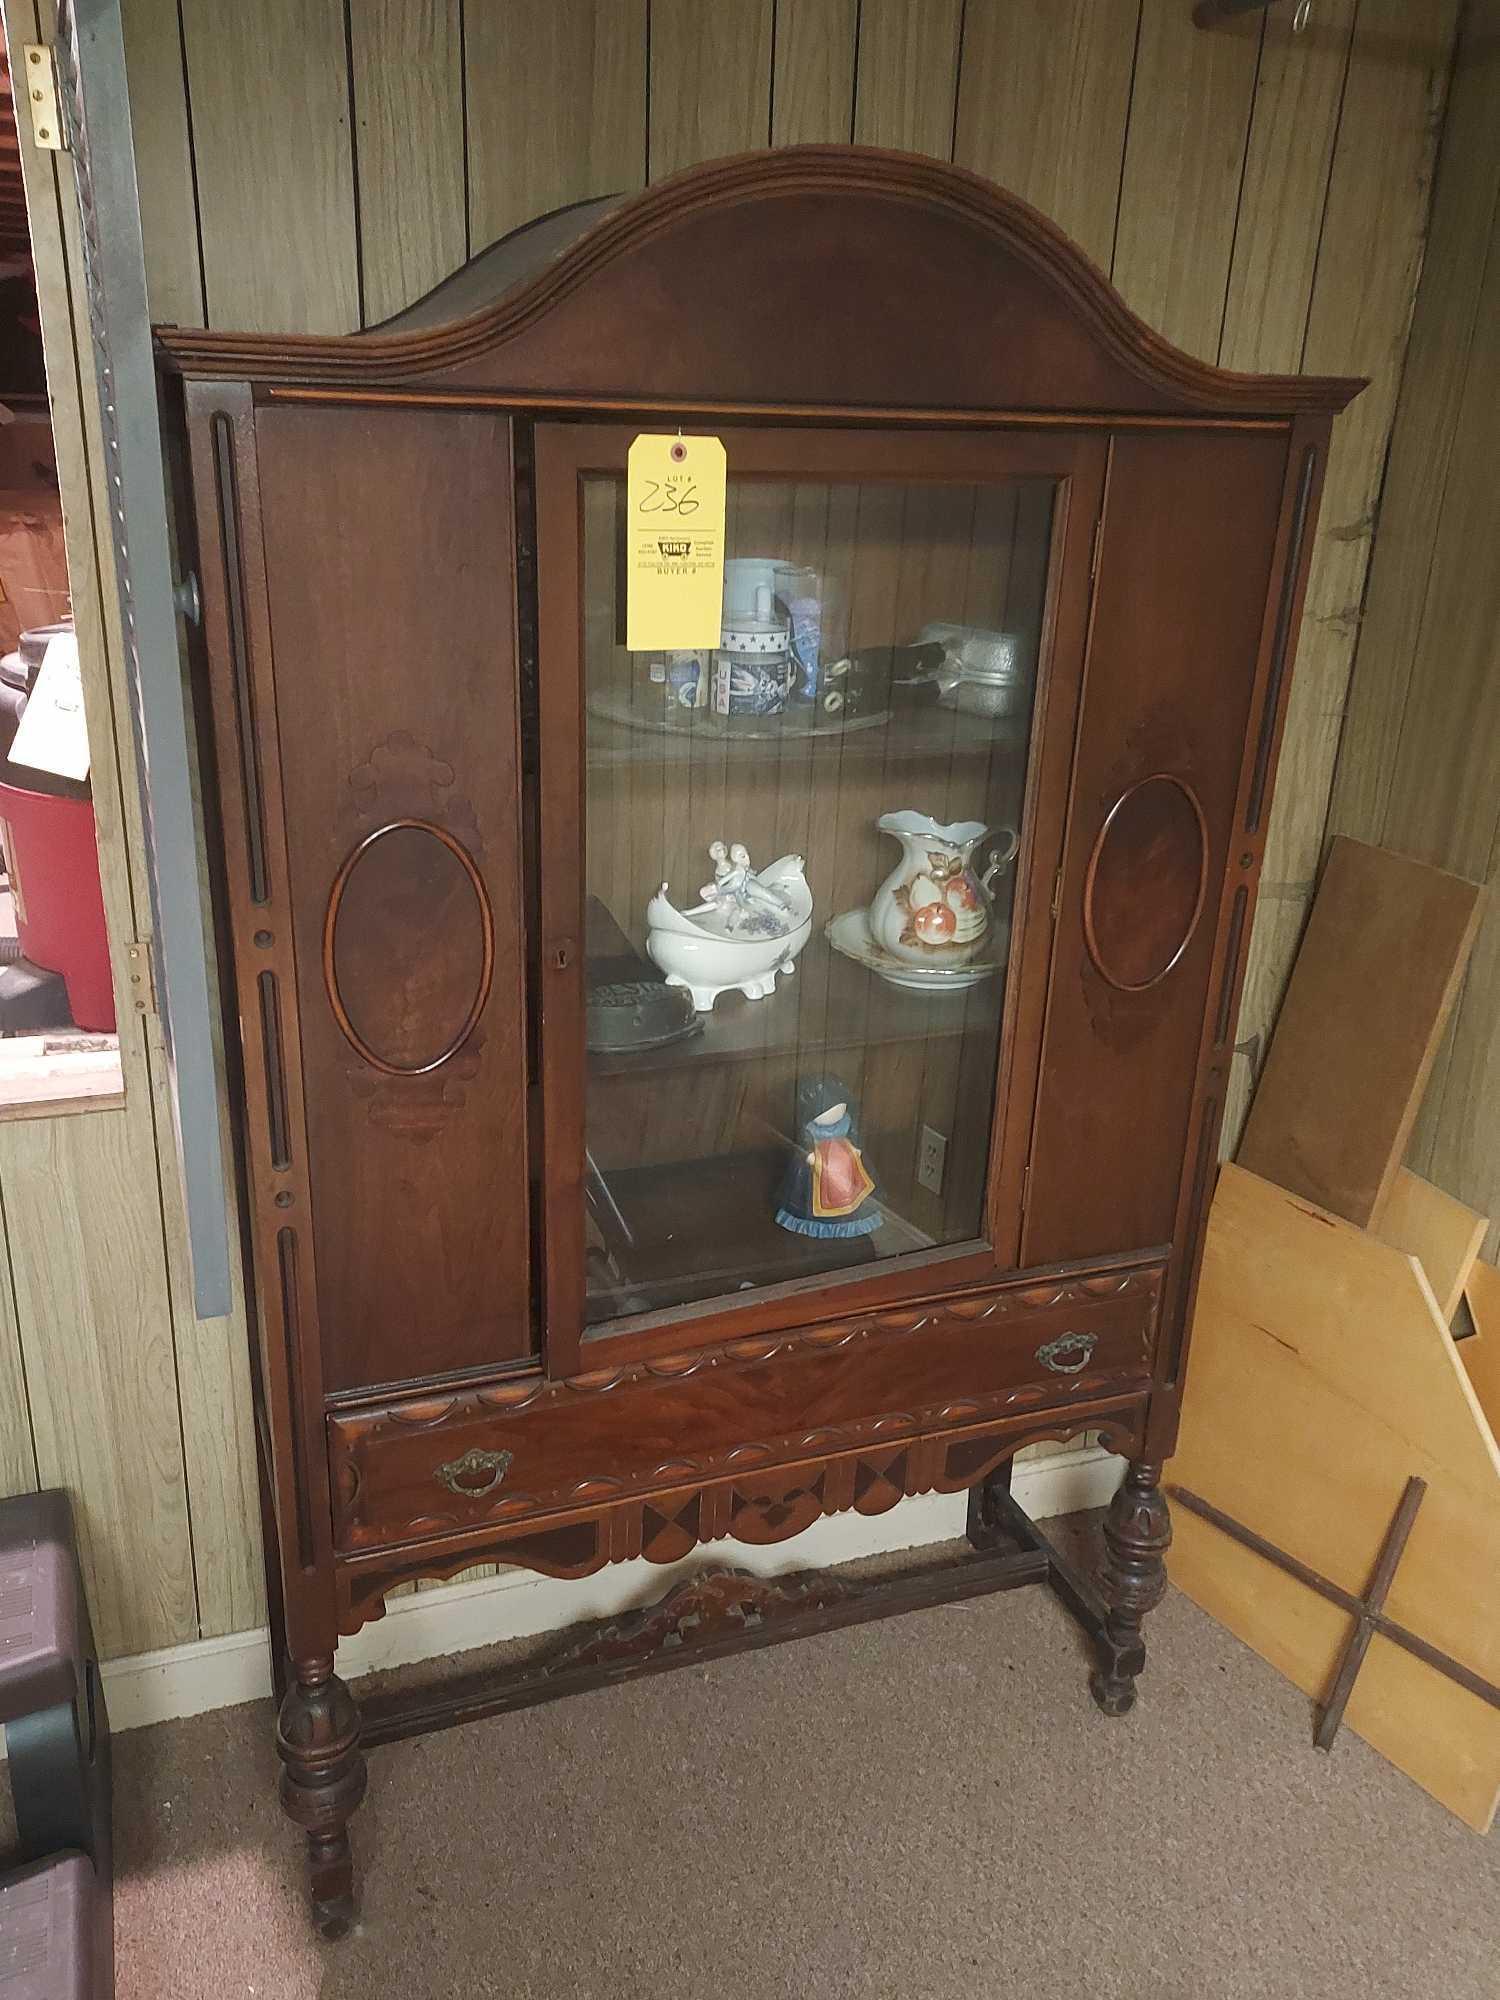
<point x="1280" y="917"/>
<point x="1442" y="1234"/>
<point x="406" y="65"/>
<point x="1480" y="1353"/>
<point x="556" y="107"/>
<point x="1310" y="1334"/>
<point x="907" y="79"/>
<point x="1381" y="959"/>
<point x="812" y="88"/>
<point x="1464" y="1151"/>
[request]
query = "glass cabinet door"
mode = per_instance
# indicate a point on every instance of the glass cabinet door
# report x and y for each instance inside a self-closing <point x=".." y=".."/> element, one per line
<point x="799" y="874"/>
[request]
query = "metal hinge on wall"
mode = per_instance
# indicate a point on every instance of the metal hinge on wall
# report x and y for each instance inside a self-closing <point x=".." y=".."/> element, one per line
<point x="142" y="976"/>
<point x="40" y="68"/>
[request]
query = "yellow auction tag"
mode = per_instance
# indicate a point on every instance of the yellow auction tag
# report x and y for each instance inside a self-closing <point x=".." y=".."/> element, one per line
<point x="674" y="543"/>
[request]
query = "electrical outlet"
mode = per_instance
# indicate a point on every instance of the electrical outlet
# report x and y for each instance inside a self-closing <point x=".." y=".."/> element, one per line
<point x="932" y="1156"/>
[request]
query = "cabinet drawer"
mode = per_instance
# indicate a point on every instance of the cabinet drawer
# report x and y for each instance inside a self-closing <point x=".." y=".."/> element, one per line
<point x="480" y="1456"/>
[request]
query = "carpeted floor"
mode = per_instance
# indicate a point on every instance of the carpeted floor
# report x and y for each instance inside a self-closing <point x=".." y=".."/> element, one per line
<point x="928" y="1808"/>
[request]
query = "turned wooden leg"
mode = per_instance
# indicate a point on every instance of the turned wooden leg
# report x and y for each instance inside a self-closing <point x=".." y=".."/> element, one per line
<point x="1137" y="1534"/>
<point x="322" y="1782"/>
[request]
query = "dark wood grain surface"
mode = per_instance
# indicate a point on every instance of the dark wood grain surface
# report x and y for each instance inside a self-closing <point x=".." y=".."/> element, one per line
<point x="944" y="1363"/>
<point x="388" y="564"/>
<point x="1184" y="567"/>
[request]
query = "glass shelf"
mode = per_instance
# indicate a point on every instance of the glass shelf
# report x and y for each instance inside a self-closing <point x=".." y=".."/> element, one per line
<point x="828" y="1006"/>
<point x="651" y="732"/>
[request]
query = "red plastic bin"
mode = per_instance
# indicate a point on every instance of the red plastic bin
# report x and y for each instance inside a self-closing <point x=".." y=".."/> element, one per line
<point x="53" y="857"/>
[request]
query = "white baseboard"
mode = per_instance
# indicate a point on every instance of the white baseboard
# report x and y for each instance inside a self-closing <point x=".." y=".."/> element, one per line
<point x="187" y="1680"/>
<point x="514" y="1604"/>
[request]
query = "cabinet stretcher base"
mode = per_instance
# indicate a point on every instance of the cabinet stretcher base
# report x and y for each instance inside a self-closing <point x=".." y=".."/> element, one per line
<point x="722" y="1610"/>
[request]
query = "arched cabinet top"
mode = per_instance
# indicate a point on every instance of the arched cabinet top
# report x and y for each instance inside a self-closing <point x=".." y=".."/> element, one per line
<point x="809" y="279"/>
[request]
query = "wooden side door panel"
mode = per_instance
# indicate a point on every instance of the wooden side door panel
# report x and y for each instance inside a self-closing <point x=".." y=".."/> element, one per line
<point x="1185" y="557"/>
<point x="389" y="576"/>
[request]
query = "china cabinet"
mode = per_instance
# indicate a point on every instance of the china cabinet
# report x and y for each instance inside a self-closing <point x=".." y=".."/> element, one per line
<point x="684" y="1094"/>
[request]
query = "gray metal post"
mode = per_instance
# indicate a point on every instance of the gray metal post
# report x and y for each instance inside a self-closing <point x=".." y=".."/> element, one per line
<point x="96" y="110"/>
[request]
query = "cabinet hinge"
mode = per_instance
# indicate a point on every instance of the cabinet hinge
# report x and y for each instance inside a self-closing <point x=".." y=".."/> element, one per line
<point x="142" y="976"/>
<point x="41" y="94"/>
<point x="1025" y="1188"/>
<point x="1094" y="548"/>
<point x="1057" y="882"/>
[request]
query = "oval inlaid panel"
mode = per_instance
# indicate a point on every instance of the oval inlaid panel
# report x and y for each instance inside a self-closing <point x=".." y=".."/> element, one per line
<point x="1146" y="880"/>
<point x="408" y="947"/>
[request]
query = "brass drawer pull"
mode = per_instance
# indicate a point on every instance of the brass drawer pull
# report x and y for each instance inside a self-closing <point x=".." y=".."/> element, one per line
<point x="462" y="1475"/>
<point x="1069" y="1353"/>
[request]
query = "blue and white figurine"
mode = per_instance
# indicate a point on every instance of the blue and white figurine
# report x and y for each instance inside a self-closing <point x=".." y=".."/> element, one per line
<point x="828" y="1190"/>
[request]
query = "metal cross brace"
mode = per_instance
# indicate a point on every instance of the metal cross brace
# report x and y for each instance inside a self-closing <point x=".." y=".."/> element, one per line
<point x="1367" y="1611"/>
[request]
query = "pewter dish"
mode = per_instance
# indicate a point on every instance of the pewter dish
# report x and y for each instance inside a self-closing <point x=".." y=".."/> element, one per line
<point x="982" y="672"/>
<point x="632" y="1014"/>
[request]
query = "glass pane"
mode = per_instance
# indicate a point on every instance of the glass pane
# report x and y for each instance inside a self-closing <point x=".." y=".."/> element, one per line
<point x="800" y="870"/>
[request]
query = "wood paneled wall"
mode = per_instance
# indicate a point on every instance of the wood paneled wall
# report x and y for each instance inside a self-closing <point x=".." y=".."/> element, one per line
<point x="1419" y="768"/>
<point x="307" y="164"/>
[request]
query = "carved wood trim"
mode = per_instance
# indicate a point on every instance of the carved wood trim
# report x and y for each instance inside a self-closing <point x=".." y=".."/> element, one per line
<point x="400" y="1508"/>
<point x="486" y="913"/>
<point x="1291" y="576"/>
<point x="525" y="1392"/>
<point x="247" y="745"/>
<point x="404" y="784"/>
<point x="716" y="1611"/>
<point x="220" y="436"/>
<point x="765" y="1505"/>
<point x="1091" y="938"/>
<point x="1012" y="226"/>
<point x="716" y="1601"/>
<point x="893" y="1426"/>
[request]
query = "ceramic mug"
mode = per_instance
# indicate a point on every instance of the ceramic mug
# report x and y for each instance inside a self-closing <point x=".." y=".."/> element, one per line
<point x="750" y="683"/>
<point x="750" y="589"/>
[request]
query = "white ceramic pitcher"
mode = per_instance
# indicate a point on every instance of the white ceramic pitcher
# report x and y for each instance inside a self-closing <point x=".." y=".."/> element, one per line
<point x="934" y="907"/>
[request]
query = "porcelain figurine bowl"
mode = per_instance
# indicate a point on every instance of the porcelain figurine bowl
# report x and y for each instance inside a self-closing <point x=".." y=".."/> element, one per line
<point x="695" y="949"/>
